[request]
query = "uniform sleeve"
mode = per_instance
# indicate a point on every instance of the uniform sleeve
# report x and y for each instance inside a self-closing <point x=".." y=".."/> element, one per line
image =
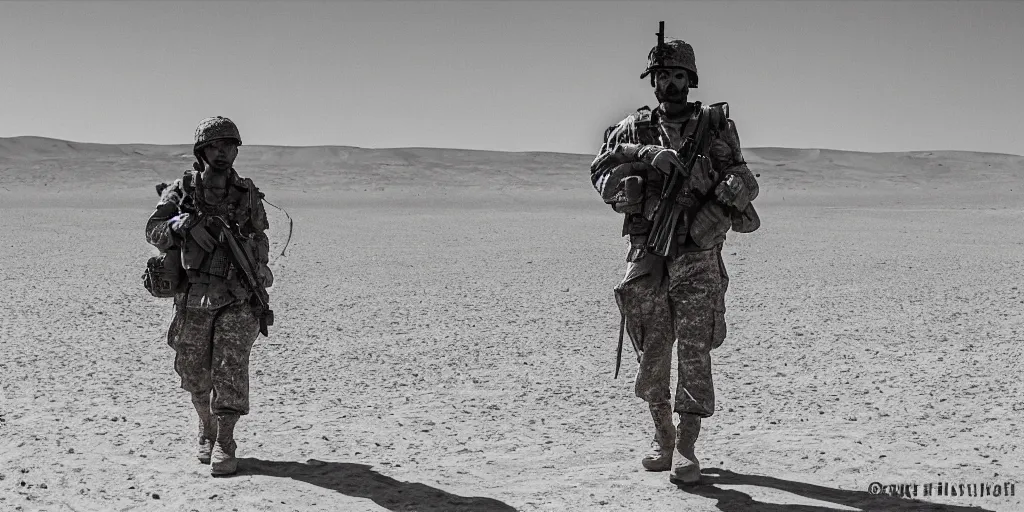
<point x="621" y="145"/>
<point x="158" y="230"/>
<point x="258" y="224"/>
<point x="727" y="158"/>
<point x="262" y="248"/>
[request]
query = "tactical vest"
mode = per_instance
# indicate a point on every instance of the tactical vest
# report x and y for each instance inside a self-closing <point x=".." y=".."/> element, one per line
<point x="213" y="281"/>
<point x="651" y="129"/>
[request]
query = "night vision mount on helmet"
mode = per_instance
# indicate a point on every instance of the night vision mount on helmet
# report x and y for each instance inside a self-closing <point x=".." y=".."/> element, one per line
<point x="675" y="54"/>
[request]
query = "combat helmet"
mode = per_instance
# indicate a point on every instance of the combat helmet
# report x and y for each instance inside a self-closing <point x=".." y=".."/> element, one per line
<point x="215" y="128"/>
<point x="674" y="54"/>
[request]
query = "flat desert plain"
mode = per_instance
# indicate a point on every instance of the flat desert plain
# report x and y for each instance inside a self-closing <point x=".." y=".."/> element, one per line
<point x="445" y="338"/>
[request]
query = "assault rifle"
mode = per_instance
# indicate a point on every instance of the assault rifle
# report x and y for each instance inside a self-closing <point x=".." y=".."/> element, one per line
<point x="685" y="184"/>
<point x="246" y="263"/>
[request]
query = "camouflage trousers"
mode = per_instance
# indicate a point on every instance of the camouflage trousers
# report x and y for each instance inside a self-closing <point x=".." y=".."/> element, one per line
<point x="212" y="352"/>
<point x="677" y="300"/>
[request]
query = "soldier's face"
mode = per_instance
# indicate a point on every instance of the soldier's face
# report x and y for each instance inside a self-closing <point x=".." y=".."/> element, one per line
<point x="671" y="85"/>
<point x="220" y="154"/>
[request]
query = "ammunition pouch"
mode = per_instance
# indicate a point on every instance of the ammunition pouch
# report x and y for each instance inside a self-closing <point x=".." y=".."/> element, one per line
<point x="215" y="263"/>
<point x="264" y="315"/>
<point x="164" y="275"/>
<point x="192" y="255"/>
<point x="746" y="221"/>
<point x="710" y="224"/>
<point x="636" y="224"/>
<point x="629" y="196"/>
<point x="219" y="264"/>
<point x="637" y="248"/>
<point x="265" y="276"/>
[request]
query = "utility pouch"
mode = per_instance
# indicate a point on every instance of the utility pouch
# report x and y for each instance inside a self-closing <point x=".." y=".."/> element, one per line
<point x="164" y="276"/>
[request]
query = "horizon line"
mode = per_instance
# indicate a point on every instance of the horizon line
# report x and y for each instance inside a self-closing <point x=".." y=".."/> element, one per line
<point x="498" y="150"/>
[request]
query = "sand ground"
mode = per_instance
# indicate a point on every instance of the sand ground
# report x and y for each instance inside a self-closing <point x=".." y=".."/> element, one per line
<point x="452" y="349"/>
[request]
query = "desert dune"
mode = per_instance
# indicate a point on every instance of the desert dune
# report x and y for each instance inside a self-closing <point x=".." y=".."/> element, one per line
<point x="445" y="337"/>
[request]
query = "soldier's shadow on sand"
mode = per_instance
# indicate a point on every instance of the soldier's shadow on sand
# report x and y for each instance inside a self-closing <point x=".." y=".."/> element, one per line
<point x="731" y="500"/>
<point x="359" y="481"/>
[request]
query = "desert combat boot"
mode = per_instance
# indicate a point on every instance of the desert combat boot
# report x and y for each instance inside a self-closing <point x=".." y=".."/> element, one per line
<point x="223" y="461"/>
<point x="660" y="456"/>
<point x="685" y="466"/>
<point x="207" y="428"/>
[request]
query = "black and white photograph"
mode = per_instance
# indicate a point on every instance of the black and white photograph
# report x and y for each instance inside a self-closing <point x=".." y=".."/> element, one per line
<point x="511" y="255"/>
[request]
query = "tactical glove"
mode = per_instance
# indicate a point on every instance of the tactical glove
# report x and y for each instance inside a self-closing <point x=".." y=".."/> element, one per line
<point x="733" y="192"/>
<point x="664" y="160"/>
<point x="181" y="223"/>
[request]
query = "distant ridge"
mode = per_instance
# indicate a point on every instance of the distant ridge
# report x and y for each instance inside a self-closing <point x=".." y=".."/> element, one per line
<point x="30" y="161"/>
<point x="37" y="143"/>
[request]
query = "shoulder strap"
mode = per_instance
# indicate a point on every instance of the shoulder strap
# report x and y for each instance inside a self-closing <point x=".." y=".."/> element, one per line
<point x="691" y="123"/>
<point x="187" y="183"/>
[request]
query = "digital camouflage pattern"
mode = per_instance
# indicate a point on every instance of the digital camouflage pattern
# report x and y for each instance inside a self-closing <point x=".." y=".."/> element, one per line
<point x="213" y="327"/>
<point x="214" y="128"/>
<point x="680" y="298"/>
<point x="675" y="54"/>
<point x="647" y="127"/>
<point x="212" y="349"/>
<point x="690" y="285"/>
<point x="213" y="282"/>
<point x="677" y="296"/>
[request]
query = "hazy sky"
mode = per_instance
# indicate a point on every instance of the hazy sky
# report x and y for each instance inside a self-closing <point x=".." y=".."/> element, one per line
<point x="515" y="75"/>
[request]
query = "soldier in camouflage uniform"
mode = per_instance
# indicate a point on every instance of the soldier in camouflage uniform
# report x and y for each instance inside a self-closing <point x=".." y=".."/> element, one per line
<point x="214" y="324"/>
<point x="678" y="298"/>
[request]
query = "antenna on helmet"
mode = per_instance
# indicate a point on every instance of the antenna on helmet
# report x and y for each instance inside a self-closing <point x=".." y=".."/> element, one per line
<point x="655" y="57"/>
